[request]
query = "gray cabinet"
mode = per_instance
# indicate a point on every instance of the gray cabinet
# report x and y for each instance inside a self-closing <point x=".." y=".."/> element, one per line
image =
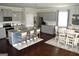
<point x="17" y="16"/>
<point x="1" y="16"/>
<point x="7" y="13"/>
<point x="2" y="33"/>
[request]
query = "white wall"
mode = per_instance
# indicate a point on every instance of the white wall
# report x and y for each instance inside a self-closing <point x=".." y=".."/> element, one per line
<point x="29" y="20"/>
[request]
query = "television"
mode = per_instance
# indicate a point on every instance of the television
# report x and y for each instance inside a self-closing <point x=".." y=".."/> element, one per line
<point x="75" y="19"/>
<point x="7" y="18"/>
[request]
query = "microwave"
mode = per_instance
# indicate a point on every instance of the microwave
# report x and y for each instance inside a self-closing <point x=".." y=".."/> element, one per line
<point x="7" y="18"/>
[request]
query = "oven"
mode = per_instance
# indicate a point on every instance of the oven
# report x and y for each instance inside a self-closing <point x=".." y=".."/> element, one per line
<point x="7" y="27"/>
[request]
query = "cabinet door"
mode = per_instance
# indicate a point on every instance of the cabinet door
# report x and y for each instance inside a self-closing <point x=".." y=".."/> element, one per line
<point x="2" y="33"/>
<point x="17" y="16"/>
<point x="7" y="13"/>
<point x="1" y="16"/>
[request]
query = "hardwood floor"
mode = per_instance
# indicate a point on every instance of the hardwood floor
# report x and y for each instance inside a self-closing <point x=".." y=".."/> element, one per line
<point x="39" y="49"/>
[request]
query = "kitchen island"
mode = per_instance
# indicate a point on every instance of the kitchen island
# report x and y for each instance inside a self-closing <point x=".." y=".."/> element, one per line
<point x="24" y="37"/>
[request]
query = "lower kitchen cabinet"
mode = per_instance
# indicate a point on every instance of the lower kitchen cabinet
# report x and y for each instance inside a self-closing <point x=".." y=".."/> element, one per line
<point x="2" y="33"/>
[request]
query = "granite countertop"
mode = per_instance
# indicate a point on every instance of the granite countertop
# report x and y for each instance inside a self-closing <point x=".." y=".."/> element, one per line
<point x="22" y="30"/>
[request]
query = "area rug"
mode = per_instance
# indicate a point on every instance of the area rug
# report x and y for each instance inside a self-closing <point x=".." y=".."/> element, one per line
<point x="53" y="42"/>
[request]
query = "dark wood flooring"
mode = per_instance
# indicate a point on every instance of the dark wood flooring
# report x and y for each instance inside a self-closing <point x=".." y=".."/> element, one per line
<point x="39" y="49"/>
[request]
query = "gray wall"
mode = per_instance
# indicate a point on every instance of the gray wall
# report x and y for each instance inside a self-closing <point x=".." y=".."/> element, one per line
<point x="49" y="17"/>
<point x="72" y="10"/>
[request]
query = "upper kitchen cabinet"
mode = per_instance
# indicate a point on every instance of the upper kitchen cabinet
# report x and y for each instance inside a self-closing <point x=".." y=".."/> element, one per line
<point x="7" y="12"/>
<point x="1" y="16"/>
<point x="17" y="16"/>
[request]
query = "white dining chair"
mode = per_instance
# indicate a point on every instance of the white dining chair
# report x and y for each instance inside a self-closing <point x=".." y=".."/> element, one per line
<point x="76" y="42"/>
<point x="70" y="38"/>
<point x="62" y="36"/>
<point x="56" y="33"/>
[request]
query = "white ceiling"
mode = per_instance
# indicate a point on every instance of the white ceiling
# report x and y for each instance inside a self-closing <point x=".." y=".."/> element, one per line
<point x="39" y="5"/>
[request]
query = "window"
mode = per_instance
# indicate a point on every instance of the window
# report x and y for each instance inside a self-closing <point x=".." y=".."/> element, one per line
<point x="62" y="18"/>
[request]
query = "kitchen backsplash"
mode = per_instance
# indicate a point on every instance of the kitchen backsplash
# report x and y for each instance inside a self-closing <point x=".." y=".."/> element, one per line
<point x="13" y="23"/>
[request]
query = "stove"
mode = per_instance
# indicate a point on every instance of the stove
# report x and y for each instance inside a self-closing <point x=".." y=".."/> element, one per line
<point x="7" y="27"/>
